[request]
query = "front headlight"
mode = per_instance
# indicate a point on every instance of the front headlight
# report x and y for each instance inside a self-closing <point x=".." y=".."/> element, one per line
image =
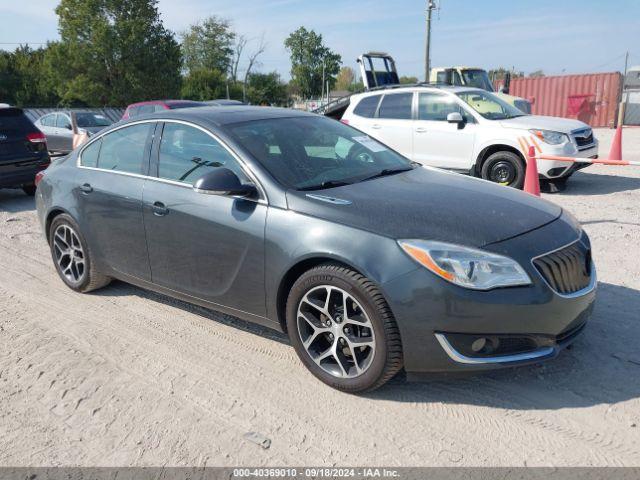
<point x="550" y="137"/>
<point x="466" y="267"/>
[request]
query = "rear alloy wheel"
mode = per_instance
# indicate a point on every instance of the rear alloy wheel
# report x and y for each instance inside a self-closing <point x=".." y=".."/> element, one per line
<point x="343" y="330"/>
<point x="505" y="168"/>
<point x="72" y="257"/>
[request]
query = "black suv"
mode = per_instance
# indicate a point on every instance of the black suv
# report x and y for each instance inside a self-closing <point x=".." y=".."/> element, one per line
<point x="23" y="150"/>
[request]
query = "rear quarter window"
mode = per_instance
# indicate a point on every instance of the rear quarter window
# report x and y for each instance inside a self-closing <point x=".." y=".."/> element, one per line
<point x="367" y="106"/>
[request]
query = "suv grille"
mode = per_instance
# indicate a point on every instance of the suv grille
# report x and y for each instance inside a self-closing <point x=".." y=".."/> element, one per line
<point x="567" y="270"/>
<point x="584" y="138"/>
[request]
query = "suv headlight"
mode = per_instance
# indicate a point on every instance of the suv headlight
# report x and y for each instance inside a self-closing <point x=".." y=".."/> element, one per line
<point x="466" y="267"/>
<point x="550" y="137"/>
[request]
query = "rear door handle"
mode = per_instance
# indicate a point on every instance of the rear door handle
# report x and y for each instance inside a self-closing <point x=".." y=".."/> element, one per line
<point x="86" y="188"/>
<point x="421" y="130"/>
<point x="159" y="209"/>
<point x="376" y="127"/>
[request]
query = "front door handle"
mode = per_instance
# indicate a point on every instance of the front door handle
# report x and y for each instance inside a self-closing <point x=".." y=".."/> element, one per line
<point x="86" y="188"/>
<point x="159" y="209"/>
<point x="376" y="126"/>
<point x="421" y="130"/>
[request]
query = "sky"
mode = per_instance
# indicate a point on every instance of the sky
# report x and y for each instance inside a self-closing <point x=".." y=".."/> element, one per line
<point x="556" y="36"/>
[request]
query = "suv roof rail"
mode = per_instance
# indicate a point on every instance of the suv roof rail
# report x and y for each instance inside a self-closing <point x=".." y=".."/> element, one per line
<point x="409" y="85"/>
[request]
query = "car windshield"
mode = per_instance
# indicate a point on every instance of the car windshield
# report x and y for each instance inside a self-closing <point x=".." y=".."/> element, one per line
<point x="312" y="153"/>
<point x="489" y="105"/>
<point x="477" y="79"/>
<point x="92" y="120"/>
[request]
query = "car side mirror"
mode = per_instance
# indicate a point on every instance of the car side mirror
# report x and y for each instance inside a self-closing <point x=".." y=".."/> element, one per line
<point x="455" y="117"/>
<point x="223" y="181"/>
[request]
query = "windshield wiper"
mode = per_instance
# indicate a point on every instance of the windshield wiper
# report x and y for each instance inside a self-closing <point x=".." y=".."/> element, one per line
<point x="327" y="184"/>
<point x="386" y="172"/>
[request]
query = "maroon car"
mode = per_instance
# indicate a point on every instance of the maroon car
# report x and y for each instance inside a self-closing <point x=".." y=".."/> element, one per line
<point x="152" y="106"/>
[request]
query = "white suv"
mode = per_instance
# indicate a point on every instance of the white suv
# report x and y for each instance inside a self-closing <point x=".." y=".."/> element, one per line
<point x="469" y="130"/>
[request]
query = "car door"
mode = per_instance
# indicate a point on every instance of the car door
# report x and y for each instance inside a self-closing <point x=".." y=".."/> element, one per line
<point x="437" y="142"/>
<point x="47" y="125"/>
<point x="64" y="132"/>
<point x="206" y="246"/>
<point x="393" y="125"/>
<point x="110" y="180"/>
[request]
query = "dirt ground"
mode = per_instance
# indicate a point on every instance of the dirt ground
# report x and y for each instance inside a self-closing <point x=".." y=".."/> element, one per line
<point x="126" y="377"/>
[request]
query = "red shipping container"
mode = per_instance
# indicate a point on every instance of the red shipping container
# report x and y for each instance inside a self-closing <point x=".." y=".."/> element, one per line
<point x="592" y="98"/>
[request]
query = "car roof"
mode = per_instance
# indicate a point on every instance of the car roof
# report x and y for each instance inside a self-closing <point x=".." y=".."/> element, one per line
<point x="164" y="102"/>
<point x="227" y="115"/>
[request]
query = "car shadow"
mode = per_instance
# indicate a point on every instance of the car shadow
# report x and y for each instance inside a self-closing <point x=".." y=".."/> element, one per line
<point x="601" y="367"/>
<point x="15" y="201"/>
<point x="584" y="183"/>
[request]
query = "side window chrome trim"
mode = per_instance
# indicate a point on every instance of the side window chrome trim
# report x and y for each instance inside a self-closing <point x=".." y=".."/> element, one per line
<point x="264" y="200"/>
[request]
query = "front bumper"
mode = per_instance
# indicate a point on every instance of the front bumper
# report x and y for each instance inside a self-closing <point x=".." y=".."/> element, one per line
<point x="551" y="169"/>
<point x="439" y="321"/>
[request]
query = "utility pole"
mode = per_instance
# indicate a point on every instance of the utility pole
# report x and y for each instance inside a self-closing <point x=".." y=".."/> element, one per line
<point x="431" y="6"/>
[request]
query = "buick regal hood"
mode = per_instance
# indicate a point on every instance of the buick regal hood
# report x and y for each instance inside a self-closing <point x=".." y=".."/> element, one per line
<point x="429" y="204"/>
<point x="526" y="122"/>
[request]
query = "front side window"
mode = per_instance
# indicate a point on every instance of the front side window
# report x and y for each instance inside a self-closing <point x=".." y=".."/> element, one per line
<point x="126" y="149"/>
<point x="311" y="153"/>
<point x="367" y="106"/>
<point x="489" y="105"/>
<point x="187" y="153"/>
<point x="396" y="106"/>
<point x="435" y="107"/>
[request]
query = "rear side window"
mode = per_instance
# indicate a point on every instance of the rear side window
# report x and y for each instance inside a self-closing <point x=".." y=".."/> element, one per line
<point x="134" y="112"/>
<point x="90" y="154"/>
<point x="187" y="153"/>
<point x="367" y="106"/>
<point x="396" y="106"/>
<point x="126" y="149"/>
<point x="48" y="121"/>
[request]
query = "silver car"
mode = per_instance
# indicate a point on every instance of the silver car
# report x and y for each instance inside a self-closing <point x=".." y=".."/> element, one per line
<point x="59" y="127"/>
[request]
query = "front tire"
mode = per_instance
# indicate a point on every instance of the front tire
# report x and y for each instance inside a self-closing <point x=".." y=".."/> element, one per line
<point x="343" y="330"/>
<point x="72" y="257"/>
<point x="505" y="168"/>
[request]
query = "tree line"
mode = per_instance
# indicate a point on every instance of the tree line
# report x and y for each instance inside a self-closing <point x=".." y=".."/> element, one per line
<point x="117" y="52"/>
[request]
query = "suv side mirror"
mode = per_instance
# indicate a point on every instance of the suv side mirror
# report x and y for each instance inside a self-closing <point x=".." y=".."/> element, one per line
<point x="455" y="117"/>
<point x="223" y="181"/>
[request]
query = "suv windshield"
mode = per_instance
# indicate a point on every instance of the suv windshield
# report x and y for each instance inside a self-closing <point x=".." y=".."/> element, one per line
<point x="312" y="153"/>
<point x="477" y="79"/>
<point x="489" y="105"/>
<point x="92" y="120"/>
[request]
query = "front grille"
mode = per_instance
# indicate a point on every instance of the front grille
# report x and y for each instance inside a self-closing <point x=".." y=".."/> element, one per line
<point x="584" y="139"/>
<point x="567" y="270"/>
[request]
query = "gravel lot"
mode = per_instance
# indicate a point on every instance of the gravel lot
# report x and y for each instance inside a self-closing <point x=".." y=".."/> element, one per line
<point x="126" y="377"/>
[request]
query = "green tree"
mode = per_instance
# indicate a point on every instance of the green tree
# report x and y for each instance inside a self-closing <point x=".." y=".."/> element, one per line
<point x="345" y="78"/>
<point x="113" y="52"/>
<point x="209" y="44"/>
<point x="267" y="89"/>
<point x="408" y="80"/>
<point x="23" y="78"/>
<point x="204" y="84"/>
<point x="309" y="59"/>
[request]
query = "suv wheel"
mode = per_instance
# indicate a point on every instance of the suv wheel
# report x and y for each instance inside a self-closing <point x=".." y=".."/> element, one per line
<point x="505" y="168"/>
<point x="72" y="257"/>
<point x="343" y="330"/>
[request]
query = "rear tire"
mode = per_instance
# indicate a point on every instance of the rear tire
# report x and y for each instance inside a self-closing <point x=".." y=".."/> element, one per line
<point x="72" y="256"/>
<point x="504" y="168"/>
<point x="361" y="349"/>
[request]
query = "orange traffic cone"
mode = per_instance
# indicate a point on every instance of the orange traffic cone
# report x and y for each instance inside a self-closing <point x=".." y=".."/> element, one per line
<point x="616" y="146"/>
<point x="531" y="178"/>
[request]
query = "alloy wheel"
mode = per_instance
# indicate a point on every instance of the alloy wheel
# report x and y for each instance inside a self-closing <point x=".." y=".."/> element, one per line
<point x="336" y="332"/>
<point x="70" y="257"/>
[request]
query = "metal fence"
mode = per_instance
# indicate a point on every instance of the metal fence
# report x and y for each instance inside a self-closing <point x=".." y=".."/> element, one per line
<point x="113" y="114"/>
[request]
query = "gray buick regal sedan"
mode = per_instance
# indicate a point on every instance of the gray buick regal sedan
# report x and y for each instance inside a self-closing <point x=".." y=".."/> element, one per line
<point x="370" y="263"/>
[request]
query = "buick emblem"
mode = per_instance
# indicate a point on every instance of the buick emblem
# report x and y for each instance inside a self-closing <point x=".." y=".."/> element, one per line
<point x="3" y="137"/>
